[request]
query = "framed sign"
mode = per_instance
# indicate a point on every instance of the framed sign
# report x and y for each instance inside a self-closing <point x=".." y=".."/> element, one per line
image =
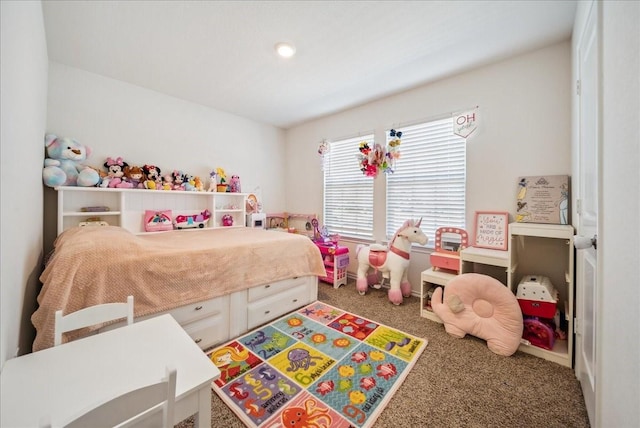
<point x="543" y="199"/>
<point x="491" y="230"/>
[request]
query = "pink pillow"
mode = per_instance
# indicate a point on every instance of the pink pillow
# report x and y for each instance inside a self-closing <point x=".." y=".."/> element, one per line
<point x="483" y="307"/>
<point x="156" y="221"/>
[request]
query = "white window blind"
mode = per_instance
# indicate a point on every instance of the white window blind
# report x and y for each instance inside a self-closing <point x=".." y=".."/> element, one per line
<point x="348" y="193"/>
<point x="429" y="179"/>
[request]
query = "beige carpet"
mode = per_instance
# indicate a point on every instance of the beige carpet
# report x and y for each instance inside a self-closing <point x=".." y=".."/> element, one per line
<point x="456" y="382"/>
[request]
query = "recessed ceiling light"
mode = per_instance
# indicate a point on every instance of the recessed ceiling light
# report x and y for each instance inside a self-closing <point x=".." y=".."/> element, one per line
<point x="285" y="50"/>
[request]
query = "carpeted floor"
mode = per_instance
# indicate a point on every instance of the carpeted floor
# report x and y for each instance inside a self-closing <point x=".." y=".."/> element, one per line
<point x="456" y="382"/>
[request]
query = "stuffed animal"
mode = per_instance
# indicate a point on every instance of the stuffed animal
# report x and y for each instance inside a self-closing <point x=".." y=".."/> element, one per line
<point x="63" y="164"/>
<point x="167" y="182"/>
<point x="482" y="306"/>
<point x="152" y="177"/>
<point x="115" y="173"/>
<point x="135" y="176"/>
<point x="188" y="184"/>
<point x="234" y="184"/>
<point x="179" y="179"/>
<point x="212" y="181"/>
<point x="197" y="183"/>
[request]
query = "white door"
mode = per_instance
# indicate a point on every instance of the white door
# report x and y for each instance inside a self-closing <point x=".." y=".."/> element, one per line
<point x="587" y="208"/>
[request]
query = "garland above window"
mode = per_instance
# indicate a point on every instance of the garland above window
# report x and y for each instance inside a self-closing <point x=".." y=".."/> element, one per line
<point x="372" y="160"/>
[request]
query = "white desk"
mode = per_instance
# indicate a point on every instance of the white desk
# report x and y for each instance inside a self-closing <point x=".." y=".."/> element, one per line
<point x="61" y="382"/>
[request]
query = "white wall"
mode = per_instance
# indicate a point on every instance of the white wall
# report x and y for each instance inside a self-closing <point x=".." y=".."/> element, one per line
<point x="22" y="123"/>
<point x="618" y="354"/>
<point x="525" y="129"/>
<point x="142" y="126"/>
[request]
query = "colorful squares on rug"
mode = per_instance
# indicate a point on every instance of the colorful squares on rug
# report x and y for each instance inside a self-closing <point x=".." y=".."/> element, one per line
<point x="318" y="366"/>
<point x="353" y="325"/>
<point x="233" y="360"/>
<point x="357" y="385"/>
<point x="322" y="313"/>
<point x="395" y="342"/>
<point x="323" y="338"/>
<point x="267" y="342"/>
<point x="306" y="411"/>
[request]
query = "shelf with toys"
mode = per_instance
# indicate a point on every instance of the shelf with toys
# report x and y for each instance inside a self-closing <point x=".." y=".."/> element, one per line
<point x="129" y="208"/>
<point x="291" y="222"/>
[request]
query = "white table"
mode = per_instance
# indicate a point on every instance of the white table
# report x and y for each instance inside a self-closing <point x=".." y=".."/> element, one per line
<point x="59" y="383"/>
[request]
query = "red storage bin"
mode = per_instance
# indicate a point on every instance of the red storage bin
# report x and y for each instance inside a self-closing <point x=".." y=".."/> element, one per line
<point x="537" y="296"/>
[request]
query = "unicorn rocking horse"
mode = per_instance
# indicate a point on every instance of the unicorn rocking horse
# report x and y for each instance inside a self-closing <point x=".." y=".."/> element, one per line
<point x="391" y="260"/>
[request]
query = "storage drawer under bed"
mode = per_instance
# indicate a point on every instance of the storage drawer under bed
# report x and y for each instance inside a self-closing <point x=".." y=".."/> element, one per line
<point x="269" y="308"/>
<point x="209" y="331"/>
<point x="262" y="291"/>
<point x="196" y="311"/>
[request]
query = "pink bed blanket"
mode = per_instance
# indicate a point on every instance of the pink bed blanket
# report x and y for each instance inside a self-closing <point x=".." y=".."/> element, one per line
<point x="93" y="265"/>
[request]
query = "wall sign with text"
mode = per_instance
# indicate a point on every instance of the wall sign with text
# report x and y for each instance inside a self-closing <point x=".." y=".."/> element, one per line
<point x="491" y="230"/>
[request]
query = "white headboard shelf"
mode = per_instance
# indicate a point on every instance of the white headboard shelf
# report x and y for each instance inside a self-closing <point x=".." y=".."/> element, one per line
<point x="126" y="207"/>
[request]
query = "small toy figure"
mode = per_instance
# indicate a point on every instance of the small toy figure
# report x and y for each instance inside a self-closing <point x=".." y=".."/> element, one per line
<point x="189" y="183"/>
<point x="227" y="220"/>
<point x="152" y="177"/>
<point x="135" y="176"/>
<point x="234" y="184"/>
<point x="197" y="183"/>
<point x="115" y="173"/>
<point x="222" y="184"/>
<point x="167" y="182"/>
<point x="212" y="181"/>
<point x="179" y="178"/>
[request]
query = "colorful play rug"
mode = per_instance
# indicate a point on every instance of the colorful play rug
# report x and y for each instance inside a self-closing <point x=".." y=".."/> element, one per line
<point x="317" y="367"/>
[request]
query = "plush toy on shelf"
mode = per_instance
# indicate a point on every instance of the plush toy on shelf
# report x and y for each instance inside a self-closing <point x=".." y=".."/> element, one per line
<point x="197" y="183"/>
<point x="189" y="183"/>
<point x="135" y="176"/>
<point x="212" y="181"/>
<point x="63" y="165"/>
<point x="234" y="184"/>
<point x="152" y="177"/>
<point x="167" y="182"/>
<point x="227" y="220"/>
<point x="115" y="174"/>
<point x="179" y="179"/>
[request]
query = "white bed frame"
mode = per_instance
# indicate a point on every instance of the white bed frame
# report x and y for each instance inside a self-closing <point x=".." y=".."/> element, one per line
<point x="208" y="322"/>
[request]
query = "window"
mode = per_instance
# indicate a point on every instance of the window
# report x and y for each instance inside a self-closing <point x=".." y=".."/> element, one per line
<point x="348" y="193"/>
<point x="429" y="179"/>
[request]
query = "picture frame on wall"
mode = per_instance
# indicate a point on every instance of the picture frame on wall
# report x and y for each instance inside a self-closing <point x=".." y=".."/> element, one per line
<point x="543" y="199"/>
<point x="490" y="230"/>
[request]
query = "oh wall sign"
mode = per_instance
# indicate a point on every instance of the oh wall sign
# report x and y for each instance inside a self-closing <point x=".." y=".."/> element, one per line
<point x="465" y="123"/>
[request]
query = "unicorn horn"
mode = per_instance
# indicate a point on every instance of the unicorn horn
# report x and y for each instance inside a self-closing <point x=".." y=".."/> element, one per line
<point x="418" y="223"/>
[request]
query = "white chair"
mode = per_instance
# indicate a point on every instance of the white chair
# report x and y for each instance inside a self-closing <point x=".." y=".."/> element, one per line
<point x="131" y="408"/>
<point x="91" y="316"/>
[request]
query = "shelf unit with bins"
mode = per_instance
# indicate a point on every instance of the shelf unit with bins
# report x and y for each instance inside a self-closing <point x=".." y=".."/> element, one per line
<point x="428" y="279"/>
<point x="126" y="207"/>
<point x="546" y="249"/>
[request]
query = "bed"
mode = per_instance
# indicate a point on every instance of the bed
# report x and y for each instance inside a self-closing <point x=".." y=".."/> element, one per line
<point x="217" y="283"/>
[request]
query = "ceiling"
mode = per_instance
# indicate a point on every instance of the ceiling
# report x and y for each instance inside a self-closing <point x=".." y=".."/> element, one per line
<point x="221" y="53"/>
